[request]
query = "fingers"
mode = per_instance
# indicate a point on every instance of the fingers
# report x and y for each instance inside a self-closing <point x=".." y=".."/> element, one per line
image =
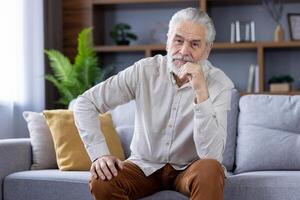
<point x="183" y="71"/>
<point x="96" y="170"/>
<point x="120" y="164"/>
<point x="189" y="70"/>
<point x="111" y="166"/>
<point x="105" y="169"/>
<point x="93" y="171"/>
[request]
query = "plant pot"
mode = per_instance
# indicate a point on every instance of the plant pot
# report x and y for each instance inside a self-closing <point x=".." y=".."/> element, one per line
<point x="123" y="42"/>
<point x="278" y="33"/>
<point x="280" y="87"/>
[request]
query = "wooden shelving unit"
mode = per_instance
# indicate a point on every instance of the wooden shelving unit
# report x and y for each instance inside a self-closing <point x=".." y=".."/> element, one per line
<point x="91" y="14"/>
<point x="221" y="46"/>
<point x="111" y="2"/>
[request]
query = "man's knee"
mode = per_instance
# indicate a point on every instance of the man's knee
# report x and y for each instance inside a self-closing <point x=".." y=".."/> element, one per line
<point x="207" y="169"/>
<point x="102" y="189"/>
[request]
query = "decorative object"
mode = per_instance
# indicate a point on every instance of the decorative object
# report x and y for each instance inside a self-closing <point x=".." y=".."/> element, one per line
<point x="253" y="79"/>
<point x="275" y="8"/>
<point x="294" y="25"/>
<point x="242" y="31"/>
<point x="69" y="148"/>
<point x="72" y="80"/>
<point x="280" y="83"/>
<point x="43" y="153"/>
<point x="121" y="35"/>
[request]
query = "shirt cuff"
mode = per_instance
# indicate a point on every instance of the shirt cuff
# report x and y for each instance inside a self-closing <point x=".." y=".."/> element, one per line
<point x="204" y="108"/>
<point x="97" y="150"/>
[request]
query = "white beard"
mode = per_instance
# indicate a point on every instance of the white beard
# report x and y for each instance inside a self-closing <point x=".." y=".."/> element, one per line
<point x="172" y="67"/>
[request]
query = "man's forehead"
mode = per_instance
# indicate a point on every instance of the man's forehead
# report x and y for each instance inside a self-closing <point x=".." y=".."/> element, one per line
<point x="189" y="30"/>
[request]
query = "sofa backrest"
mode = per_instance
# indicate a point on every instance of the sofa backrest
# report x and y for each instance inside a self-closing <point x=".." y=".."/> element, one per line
<point x="232" y="120"/>
<point x="268" y="133"/>
<point x="123" y="119"/>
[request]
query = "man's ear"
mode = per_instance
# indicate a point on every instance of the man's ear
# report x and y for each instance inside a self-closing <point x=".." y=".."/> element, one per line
<point x="207" y="50"/>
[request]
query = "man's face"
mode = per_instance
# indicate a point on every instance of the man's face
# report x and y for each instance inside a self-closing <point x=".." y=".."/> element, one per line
<point x="187" y="43"/>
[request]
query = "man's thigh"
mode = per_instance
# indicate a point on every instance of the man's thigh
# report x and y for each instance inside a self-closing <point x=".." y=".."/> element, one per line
<point x="202" y="171"/>
<point x="131" y="182"/>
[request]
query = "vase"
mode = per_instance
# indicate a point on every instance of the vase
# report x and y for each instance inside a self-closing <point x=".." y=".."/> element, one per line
<point x="278" y="33"/>
<point x="280" y="87"/>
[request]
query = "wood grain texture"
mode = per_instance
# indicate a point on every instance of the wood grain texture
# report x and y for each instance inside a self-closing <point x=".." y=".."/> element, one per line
<point x="77" y="15"/>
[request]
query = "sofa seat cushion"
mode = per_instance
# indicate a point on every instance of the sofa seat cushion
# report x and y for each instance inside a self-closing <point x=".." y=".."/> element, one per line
<point x="275" y="185"/>
<point x="55" y="185"/>
<point x="47" y="185"/>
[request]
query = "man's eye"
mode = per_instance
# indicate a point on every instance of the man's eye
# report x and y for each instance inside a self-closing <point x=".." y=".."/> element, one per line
<point x="195" y="44"/>
<point x="178" y="41"/>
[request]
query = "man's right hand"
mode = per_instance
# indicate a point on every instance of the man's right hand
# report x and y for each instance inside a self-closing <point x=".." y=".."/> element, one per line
<point x="106" y="167"/>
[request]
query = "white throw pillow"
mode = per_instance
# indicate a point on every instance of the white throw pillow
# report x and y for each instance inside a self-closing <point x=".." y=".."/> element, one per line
<point x="43" y="153"/>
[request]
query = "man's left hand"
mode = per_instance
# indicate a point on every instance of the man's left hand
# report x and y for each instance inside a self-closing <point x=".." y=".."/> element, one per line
<point x="195" y="75"/>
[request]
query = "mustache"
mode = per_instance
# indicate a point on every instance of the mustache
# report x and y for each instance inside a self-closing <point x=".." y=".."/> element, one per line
<point x="182" y="58"/>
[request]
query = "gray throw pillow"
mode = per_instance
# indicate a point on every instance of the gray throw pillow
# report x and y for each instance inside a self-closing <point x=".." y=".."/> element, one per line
<point x="268" y="133"/>
<point x="43" y="153"/>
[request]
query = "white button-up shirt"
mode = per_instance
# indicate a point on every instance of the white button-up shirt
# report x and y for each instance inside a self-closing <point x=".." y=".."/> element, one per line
<point x="169" y="126"/>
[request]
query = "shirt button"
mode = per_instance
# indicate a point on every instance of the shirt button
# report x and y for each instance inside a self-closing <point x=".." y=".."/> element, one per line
<point x="167" y="143"/>
<point x="174" y="108"/>
<point x="170" y="125"/>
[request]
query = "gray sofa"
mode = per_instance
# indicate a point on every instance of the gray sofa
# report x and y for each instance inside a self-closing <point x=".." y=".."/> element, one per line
<point x="261" y="155"/>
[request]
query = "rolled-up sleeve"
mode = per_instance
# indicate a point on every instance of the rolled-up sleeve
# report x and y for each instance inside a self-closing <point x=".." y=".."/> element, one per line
<point x="210" y="125"/>
<point x="105" y="96"/>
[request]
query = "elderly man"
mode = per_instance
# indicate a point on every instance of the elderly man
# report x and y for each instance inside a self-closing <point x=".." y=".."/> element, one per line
<point x="181" y="119"/>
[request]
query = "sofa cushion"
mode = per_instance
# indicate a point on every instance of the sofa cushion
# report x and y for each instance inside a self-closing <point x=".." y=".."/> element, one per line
<point x="271" y="185"/>
<point x="126" y="134"/>
<point x="55" y="184"/>
<point x="43" y="153"/>
<point x="232" y="116"/>
<point x="47" y="185"/>
<point x="268" y="133"/>
<point x="69" y="148"/>
<point x="124" y="115"/>
<point x="67" y="185"/>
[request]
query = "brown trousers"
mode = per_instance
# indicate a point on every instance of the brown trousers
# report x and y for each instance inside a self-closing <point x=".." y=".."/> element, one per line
<point x="202" y="180"/>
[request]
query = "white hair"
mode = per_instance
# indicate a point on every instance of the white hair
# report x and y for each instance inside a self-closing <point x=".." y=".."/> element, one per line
<point x="196" y="16"/>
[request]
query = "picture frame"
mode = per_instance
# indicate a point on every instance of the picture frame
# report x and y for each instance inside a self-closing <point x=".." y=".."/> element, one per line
<point x="294" y="25"/>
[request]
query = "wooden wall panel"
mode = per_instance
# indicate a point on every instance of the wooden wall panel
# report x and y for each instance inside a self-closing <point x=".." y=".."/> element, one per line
<point x="77" y="14"/>
<point x="53" y="40"/>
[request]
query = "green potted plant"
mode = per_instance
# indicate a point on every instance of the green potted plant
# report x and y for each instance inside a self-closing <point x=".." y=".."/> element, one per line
<point x="72" y="80"/>
<point x="121" y="34"/>
<point x="280" y="83"/>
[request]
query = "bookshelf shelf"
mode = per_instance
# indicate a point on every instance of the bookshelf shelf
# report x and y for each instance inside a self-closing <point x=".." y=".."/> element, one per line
<point x="81" y="13"/>
<point x="112" y="2"/>
<point x="217" y="46"/>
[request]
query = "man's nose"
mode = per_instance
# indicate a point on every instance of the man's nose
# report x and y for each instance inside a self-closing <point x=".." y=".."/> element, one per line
<point x="185" y="49"/>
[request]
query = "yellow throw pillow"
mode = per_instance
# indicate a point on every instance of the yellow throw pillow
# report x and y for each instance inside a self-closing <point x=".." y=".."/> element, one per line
<point x="69" y="148"/>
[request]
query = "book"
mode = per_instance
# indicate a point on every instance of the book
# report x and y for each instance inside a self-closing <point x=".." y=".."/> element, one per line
<point x="251" y="78"/>
<point x="256" y="79"/>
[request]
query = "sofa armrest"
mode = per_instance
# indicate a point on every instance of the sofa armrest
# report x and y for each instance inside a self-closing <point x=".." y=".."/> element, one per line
<point x="15" y="155"/>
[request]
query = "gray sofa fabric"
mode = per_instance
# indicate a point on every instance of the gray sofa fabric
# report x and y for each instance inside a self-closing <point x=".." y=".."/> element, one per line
<point x="272" y="119"/>
<point x="15" y="155"/>
<point x="232" y="118"/>
<point x="55" y="184"/>
<point x="268" y="133"/>
<point x="263" y="185"/>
